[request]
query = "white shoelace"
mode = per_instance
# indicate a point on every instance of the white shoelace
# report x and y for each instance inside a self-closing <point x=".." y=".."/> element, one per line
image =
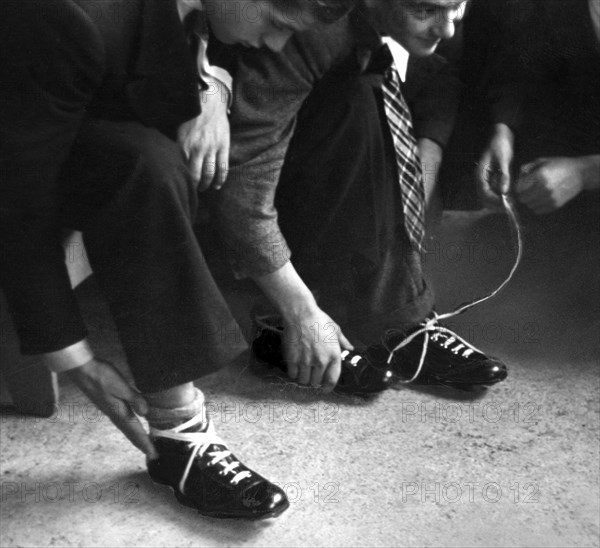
<point x="431" y="325"/>
<point x="199" y="442"/>
<point x="432" y="330"/>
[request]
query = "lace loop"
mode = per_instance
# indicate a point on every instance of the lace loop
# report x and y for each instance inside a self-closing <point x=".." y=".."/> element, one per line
<point x="199" y="442"/>
<point x="432" y="324"/>
<point x="432" y="330"/>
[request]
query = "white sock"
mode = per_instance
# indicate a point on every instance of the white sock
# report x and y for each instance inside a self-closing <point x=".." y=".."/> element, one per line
<point x="163" y="418"/>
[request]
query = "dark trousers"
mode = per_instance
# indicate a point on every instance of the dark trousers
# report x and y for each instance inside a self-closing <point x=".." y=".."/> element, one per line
<point x="127" y="188"/>
<point x="340" y="210"/>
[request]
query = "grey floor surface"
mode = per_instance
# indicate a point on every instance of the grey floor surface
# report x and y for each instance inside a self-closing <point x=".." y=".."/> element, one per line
<point x="515" y="466"/>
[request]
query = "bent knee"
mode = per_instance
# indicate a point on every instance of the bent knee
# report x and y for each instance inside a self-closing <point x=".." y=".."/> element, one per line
<point x="160" y="167"/>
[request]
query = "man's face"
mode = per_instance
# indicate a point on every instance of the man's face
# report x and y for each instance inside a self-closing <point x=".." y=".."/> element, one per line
<point x="256" y="23"/>
<point x="418" y="25"/>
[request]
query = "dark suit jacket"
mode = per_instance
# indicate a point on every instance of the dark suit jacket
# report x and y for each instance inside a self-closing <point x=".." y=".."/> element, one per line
<point x="60" y="62"/>
<point x="519" y="52"/>
<point x="561" y="82"/>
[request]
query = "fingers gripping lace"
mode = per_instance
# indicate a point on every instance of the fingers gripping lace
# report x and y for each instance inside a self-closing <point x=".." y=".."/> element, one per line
<point x="431" y="325"/>
<point x="199" y="442"/>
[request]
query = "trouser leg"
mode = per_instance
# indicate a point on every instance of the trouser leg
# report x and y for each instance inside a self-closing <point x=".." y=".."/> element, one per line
<point x="340" y="210"/>
<point x="128" y="189"/>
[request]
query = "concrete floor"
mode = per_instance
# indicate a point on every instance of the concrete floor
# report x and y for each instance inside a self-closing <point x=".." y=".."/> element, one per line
<point x="516" y="466"/>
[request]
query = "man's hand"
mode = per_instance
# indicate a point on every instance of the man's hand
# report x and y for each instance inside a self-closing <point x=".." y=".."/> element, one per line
<point x="547" y="184"/>
<point x="312" y="347"/>
<point x="312" y="341"/>
<point x="205" y="140"/>
<point x="493" y="170"/>
<point x="107" y="388"/>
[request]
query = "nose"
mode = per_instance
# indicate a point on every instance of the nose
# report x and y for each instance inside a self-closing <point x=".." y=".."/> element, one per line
<point x="276" y="41"/>
<point x="444" y="29"/>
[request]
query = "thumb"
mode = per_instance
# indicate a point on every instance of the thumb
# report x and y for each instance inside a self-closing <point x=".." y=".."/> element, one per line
<point x="139" y="405"/>
<point x="504" y="182"/>
<point x="528" y="175"/>
<point x="135" y="400"/>
<point x="527" y="168"/>
<point x="122" y="390"/>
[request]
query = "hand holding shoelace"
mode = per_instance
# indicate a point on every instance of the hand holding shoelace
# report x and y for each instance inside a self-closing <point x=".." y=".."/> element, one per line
<point x="113" y="395"/>
<point x="493" y="169"/>
<point x="547" y="184"/>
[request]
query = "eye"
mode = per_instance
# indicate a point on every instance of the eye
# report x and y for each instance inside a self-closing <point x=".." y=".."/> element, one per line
<point x="424" y="11"/>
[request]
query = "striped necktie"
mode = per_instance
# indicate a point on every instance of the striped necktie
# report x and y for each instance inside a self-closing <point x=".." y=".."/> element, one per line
<point x="407" y="156"/>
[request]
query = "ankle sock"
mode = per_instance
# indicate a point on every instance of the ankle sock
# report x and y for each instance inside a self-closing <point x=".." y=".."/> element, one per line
<point x="163" y="418"/>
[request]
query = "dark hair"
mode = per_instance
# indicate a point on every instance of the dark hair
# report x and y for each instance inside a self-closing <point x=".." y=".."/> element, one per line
<point x="325" y="11"/>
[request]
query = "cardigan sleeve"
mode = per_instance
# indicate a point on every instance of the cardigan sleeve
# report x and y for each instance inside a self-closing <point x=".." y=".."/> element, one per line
<point x="269" y="90"/>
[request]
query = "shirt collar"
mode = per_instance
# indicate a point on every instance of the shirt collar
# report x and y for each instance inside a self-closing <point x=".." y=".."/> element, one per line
<point x="399" y="54"/>
<point x="369" y="40"/>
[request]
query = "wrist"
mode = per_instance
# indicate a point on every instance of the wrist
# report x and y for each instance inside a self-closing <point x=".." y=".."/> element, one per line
<point x="70" y="358"/>
<point x="300" y="309"/>
<point x="294" y="303"/>
<point x="288" y="293"/>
